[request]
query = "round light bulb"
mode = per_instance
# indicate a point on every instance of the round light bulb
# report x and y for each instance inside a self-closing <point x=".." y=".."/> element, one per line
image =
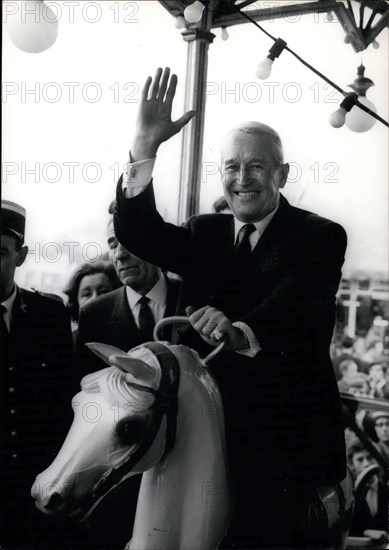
<point x="225" y="35"/>
<point x="194" y="12"/>
<point x="330" y="17"/>
<point x="348" y="38"/>
<point x="180" y="22"/>
<point x="263" y="69"/>
<point x="338" y="117"/>
<point x="359" y="121"/>
<point x="376" y="44"/>
<point x="34" y="27"/>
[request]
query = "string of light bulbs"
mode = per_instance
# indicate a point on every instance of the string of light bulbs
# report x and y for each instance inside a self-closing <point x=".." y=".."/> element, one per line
<point x="193" y="14"/>
<point x="263" y="71"/>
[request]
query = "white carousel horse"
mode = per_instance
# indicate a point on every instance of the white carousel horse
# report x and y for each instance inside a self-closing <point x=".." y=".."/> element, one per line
<point x="159" y="412"/>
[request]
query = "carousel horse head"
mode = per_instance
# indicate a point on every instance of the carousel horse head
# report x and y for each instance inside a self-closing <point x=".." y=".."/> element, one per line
<point x="155" y="411"/>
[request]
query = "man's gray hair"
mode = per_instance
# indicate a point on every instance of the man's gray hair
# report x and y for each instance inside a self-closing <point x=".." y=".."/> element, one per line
<point x="260" y="129"/>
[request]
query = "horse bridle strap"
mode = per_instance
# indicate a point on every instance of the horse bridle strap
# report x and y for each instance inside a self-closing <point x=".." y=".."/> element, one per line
<point x="165" y="403"/>
<point x="166" y="399"/>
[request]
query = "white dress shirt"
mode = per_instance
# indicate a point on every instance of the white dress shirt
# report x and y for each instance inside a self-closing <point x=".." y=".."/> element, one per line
<point x="259" y="226"/>
<point x="157" y="296"/>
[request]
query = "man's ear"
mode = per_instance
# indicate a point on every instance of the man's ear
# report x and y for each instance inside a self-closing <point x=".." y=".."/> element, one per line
<point x="22" y="254"/>
<point x="284" y="174"/>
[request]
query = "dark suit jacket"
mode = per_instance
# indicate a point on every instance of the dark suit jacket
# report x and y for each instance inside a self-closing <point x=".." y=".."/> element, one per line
<point x="37" y="384"/>
<point x="282" y="408"/>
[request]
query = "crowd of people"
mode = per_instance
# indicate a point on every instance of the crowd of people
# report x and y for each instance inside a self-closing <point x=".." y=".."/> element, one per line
<point x="362" y="370"/>
<point x="263" y="276"/>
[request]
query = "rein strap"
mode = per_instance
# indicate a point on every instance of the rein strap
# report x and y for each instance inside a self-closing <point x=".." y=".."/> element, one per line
<point x="166" y="403"/>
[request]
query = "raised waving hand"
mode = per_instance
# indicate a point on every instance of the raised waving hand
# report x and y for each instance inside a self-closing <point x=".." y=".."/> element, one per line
<point x="154" y="124"/>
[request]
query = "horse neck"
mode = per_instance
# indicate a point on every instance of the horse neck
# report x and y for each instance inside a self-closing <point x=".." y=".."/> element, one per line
<point x="184" y="500"/>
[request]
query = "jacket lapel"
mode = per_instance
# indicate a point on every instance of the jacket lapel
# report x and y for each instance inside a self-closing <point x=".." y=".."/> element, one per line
<point x="19" y="310"/>
<point x="121" y="326"/>
<point x="172" y="297"/>
<point x="266" y="252"/>
<point x="227" y="227"/>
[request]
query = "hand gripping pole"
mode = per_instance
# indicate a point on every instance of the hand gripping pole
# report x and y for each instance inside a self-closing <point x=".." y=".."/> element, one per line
<point x="184" y="321"/>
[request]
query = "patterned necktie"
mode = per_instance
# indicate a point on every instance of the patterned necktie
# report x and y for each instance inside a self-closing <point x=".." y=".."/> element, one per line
<point x="243" y="248"/>
<point x="146" y="319"/>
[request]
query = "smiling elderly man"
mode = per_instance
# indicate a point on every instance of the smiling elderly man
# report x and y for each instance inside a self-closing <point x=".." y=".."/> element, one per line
<point x="264" y="279"/>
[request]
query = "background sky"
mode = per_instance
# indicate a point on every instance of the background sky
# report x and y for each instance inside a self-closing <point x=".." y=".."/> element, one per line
<point x="74" y="130"/>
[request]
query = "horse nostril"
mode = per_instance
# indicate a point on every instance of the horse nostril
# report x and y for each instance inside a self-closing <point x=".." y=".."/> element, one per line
<point x="55" y="502"/>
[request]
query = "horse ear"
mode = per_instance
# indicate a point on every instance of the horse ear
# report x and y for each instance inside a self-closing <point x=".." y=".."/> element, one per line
<point x="141" y="371"/>
<point x="104" y="351"/>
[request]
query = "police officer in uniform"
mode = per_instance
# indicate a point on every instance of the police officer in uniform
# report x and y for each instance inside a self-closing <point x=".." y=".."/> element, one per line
<point x="36" y="382"/>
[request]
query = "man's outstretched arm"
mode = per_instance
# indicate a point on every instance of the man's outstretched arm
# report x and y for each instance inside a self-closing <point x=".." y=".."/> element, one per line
<point x="138" y="225"/>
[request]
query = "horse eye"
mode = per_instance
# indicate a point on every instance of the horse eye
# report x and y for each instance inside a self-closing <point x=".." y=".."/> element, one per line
<point x="124" y="430"/>
<point x="130" y="430"/>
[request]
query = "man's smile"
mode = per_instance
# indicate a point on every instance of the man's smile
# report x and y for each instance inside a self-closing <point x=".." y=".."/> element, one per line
<point x="246" y="194"/>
